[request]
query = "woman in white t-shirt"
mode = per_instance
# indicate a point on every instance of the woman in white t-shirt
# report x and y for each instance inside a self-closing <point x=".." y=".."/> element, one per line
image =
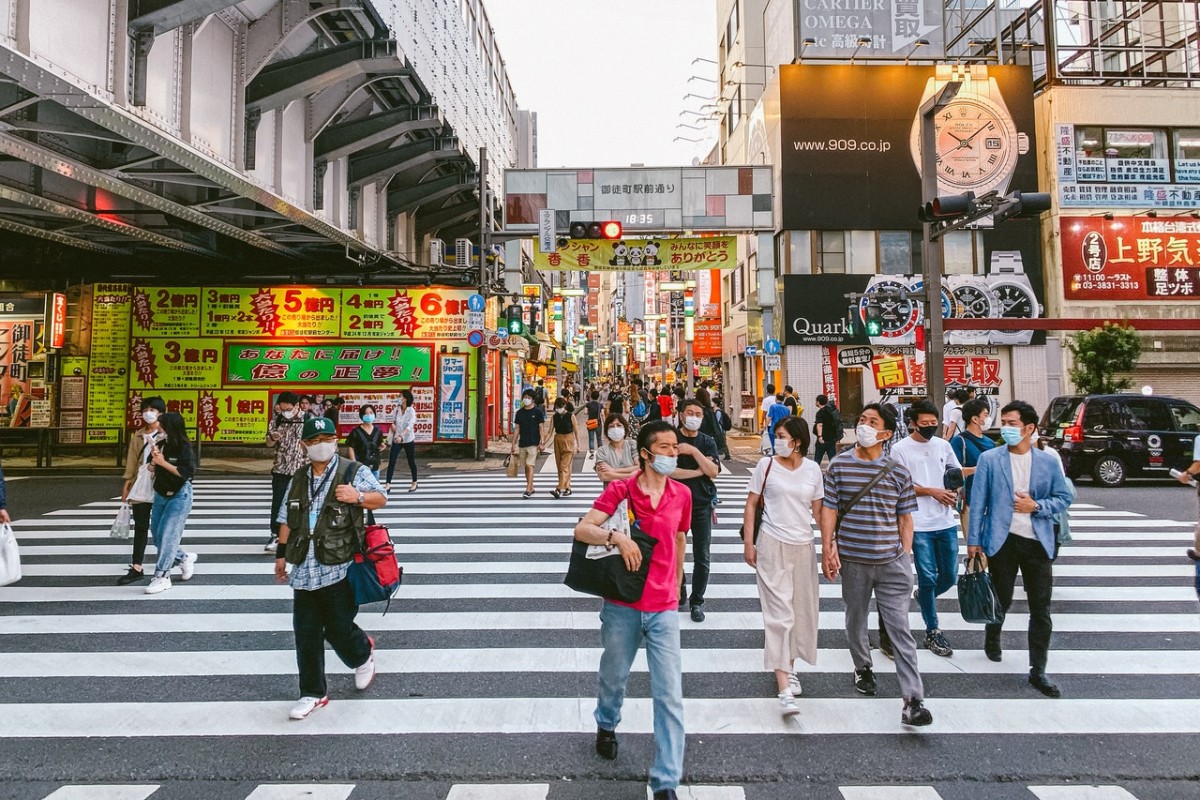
<point x="791" y="487"/>
<point x="403" y="437"/>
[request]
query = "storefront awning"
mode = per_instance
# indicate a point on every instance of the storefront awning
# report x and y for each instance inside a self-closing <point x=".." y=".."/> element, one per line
<point x="570" y="366"/>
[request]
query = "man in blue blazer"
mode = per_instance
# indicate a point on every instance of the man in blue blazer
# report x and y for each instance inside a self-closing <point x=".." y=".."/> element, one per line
<point x="1017" y="492"/>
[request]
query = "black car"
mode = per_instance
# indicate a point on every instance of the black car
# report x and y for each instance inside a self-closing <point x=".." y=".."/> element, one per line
<point x="1117" y="436"/>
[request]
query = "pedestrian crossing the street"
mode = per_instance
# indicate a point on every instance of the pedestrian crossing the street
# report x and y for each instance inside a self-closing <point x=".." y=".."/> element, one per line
<point x="484" y="639"/>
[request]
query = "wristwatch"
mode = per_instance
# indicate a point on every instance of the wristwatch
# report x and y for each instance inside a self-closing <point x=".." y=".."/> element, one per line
<point x="977" y="141"/>
<point x="973" y="299"/>
<point x="899" y="314"/>
<point x="1014" y="292"/>
<point x="362" y="498"/>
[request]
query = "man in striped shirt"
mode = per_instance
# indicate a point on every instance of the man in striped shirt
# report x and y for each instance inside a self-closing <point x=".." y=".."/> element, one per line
<point x="872" y="549"/>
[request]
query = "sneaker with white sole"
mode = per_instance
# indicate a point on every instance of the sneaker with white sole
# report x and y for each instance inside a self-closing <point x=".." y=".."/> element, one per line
<point x="271" y="545"/>
<point x="364" y="674"/>
<point x="794" y="685"/>
<point x="787" y="704"/>
<point x="306" y="705"/>
<point x="158" y="584"/>
<point x="187" y="566"/>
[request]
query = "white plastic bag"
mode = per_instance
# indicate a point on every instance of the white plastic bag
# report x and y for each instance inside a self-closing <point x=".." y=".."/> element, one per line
<point x="142" y="490"/>
<point x="120" y="526"/>
<point x="10" y="556"/>
<point x="764" y="443"/>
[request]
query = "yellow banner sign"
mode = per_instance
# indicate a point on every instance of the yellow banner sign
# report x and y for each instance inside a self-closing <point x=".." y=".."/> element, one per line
<point x="273" y="312"/>
<point x="636" y="255"/>
<point x="175" y="363"/>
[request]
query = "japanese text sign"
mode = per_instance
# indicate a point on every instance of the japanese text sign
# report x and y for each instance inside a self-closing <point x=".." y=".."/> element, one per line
<point x="1130" y="259"/>
<point x="637" y="255"/>
<point x="331" y="363"/>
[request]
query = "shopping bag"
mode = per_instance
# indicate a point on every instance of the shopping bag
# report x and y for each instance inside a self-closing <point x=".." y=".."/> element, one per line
<point x="977" y="598"/>
<point x="764" y="443"/>
<point x="510" y="465"/>
<point x="142" y="490"/>
<point x="120" y="526"/>
<point x="10" y="556"/>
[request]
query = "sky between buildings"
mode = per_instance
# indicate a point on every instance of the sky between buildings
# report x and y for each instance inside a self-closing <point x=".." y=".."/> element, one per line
<point x="607" y="78"/>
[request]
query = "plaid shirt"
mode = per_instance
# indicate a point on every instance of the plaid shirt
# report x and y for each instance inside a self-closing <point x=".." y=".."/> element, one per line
<point x="289" y="456"/>
<point x="312" y="574"/>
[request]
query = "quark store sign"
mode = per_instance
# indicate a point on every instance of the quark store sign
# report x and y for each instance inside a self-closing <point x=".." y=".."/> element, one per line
<point x="887" y="28"/>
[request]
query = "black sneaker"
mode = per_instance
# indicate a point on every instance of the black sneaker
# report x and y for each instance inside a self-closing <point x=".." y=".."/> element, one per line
<point x="697" y="614"/>
<point x="606" y="744"/>
<point x="915" y="714"/>
<point x="936" y="643"/>
<point x="527" y="495"/>
<point x="131" y="576"/>
<point x="864" y="681"/>
<point x="1192" y="554"/>
<point x="666" y="794"/>
<point x="885" y="644"/>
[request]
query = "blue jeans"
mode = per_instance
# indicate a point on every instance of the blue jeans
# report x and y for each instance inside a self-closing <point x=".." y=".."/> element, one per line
<point x="936" y="556"/>
<point x="823" y="449"/>
<point x="622" y="631"/>
<point x="167" y="518"/>
<point x="594" y="439"/>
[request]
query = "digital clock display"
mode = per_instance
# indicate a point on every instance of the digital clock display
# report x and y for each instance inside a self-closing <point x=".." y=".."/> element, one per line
<point x="641" y="219"/>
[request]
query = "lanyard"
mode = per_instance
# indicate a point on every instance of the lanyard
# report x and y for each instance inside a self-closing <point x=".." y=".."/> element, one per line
<point x="314" y="491"/>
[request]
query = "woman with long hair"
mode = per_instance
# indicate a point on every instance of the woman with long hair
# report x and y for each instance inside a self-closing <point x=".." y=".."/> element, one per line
<point x="791" y="488"/>
<point x="403" y="436"/>
<point x="174" y="467"/>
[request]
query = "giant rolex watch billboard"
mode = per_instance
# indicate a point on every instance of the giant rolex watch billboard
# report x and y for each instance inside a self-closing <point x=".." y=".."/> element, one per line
<point x="850" y="140"/>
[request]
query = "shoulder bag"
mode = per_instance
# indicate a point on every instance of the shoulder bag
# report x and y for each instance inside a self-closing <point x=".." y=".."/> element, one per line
<point x="888" y="466"/>
<point x="760" y="508"/>
<point x="977" y="598"/>
<point x="599" y="570"/>
<point x="142" y="490"/>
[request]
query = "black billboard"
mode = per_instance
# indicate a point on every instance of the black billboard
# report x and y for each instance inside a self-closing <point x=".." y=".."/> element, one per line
<point x="816" y="309"/>
<point x="849" y="141"/>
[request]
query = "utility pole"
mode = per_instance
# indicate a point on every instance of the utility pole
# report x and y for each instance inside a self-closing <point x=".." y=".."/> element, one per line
<point x="481" y="351"/>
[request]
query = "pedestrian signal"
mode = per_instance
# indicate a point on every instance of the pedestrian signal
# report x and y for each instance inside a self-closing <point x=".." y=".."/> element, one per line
<point x="515" y="321"/>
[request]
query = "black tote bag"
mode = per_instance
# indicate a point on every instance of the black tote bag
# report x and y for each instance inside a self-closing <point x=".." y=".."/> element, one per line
<point x="977" y="598"/>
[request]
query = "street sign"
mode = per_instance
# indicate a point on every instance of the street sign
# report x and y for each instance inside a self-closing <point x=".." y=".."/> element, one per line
<point x="547" y="240"/>
<point x="771" y="363"/>
<point x="751" y="350"/>
<point x="771" y="347"/>
<point x="476" y="302"/>
<point x="502" y="333"/>
<point x="475" y="338"/>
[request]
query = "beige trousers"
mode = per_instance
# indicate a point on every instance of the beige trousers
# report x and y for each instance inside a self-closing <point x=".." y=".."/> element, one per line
<point x="788" y="592"/>
<point x="564" y="457"/>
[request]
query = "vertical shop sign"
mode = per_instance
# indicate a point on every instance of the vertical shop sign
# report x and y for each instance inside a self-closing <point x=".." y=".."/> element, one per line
<point x="829" y="376"/>
<point x="452" y="400"/>
<point x="423" y="405"/>
<point x="108" y="372"/>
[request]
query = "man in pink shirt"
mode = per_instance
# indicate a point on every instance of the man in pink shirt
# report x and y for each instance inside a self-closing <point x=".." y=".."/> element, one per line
<point x="663" y="510"/>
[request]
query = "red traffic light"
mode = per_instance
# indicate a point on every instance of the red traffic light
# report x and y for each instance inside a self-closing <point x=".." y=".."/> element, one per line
<point x="610" y="229"/>
<point x="607" y="229"/>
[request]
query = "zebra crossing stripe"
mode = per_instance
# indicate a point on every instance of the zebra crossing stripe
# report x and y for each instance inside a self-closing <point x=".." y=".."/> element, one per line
<point x="491" y="791"/>
<point x="889" y="793"/>
<point x="301" y="791"/>
<point x="103" y="792"/>
<point x="1081" y="793"/>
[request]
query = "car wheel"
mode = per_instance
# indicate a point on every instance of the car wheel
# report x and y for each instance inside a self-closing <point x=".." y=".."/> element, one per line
<point x="1109" y="471"/>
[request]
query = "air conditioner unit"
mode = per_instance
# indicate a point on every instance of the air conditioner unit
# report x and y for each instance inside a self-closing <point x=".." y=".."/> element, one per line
<point x="437" y="253"/>
<point x="462" y="253"/>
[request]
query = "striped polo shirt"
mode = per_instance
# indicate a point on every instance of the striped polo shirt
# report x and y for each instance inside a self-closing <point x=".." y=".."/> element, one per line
<point x="869" y="533"/>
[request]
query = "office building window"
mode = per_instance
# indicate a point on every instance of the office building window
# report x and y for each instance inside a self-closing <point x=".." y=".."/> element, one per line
<point x="830" y="252"/>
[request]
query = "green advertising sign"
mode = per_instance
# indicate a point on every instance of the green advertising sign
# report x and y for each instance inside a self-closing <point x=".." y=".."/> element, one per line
<point x="331" y="362"/>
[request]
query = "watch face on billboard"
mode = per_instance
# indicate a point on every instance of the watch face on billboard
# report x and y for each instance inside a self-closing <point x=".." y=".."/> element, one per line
<point x="851" y="140"/>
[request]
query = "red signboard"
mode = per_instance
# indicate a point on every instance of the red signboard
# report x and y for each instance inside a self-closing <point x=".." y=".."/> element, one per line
<point x="58" y="321"/>
<point x="1130" y="258"/>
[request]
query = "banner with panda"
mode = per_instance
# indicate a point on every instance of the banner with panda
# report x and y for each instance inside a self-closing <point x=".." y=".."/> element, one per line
<point x="636" y="255"/>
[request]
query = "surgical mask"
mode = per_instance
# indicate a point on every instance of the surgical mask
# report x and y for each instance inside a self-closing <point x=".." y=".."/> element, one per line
<point x="291" y="412"/>
<point x="616" y="434"/>
<point x="866" y="435"/>
<point x="664" y="465"/>
<point x="560" y="411"/>
<point x="693" y="423"/>
<point x="985" y="423"/>
<point x="321" y="452"/>
<point x="784" y="449"/>
<point x="527" y="401"/>
<point x="150" y="417"/>
<point x="1011" y="435"/>
<point x="927" y="431"/>
<point x="368" y="418"/>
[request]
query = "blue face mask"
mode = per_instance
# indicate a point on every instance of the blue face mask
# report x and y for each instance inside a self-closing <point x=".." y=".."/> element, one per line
<point x="664" y="465"/>
<point x="368" y="418"/>
<point x="1011" y="435"/>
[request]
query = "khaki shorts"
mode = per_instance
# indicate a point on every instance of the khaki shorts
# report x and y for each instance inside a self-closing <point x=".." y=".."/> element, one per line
<point x="527" y="456"/>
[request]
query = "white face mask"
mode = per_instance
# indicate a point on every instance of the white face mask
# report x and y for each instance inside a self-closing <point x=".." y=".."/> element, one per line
<point x="784" y="449"/>
<point x="527" y="401"/>
<point x="291" y="412"/>
<point x="866" y="435"/>
<point x="985" y="423"/>
<point x="150" y="417"/>
<point x="321" y="452"/>
<point x="693" y="423"/>
<point x="616" y="434"/>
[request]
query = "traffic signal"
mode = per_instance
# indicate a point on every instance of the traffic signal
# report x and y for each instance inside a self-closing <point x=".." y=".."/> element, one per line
<point x="515" y="320"/>
<point x="874" y="320"/>
<point x="1027" y="204"/>
<point x="602" y="229"/>
<point x="954" y="205"/>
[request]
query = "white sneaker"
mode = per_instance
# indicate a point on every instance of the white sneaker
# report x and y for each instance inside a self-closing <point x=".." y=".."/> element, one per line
<point x="787" y="705"/>
<point x="306" y="705"/>
<point x="794" y="685"/>
<point x="363" y="675"/>
<point x="158" y="584"/>
<point x="187" y="566"/>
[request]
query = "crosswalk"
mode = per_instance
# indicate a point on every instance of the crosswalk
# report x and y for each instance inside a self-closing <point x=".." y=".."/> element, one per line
<point x="484" y="640"/>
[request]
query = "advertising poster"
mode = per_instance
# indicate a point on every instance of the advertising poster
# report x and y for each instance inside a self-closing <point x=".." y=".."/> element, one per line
<point x="850" y="140"/>
<point x="1130" y="258"/>
<point x="182" y="402"/>
<point x="277" y="312"/>
<point x="109" y="363"/>
<point x="452" y="397"/>
<point x="897" y="372"/>
<point x="232" y="416"/>
<point x="333" y="362"/>
<point x="708" y="342"/>
<point x="407" y="314"/>
<point x="165" y="311"/>
<point x="174" y="363"/>
<point x="636" y="255"/>
<point x="1121" y="171"/>
<point x="424" y="404"/>
<point x="16" y="347"/>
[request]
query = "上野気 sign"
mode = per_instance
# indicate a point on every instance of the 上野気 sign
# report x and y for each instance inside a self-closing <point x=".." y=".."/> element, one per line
<point x="1130" y="258"/>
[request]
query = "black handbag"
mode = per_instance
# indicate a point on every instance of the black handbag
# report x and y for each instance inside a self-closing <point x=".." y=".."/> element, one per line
<point x="758" y="510"/>
<point x="977" y="598"/>
<point x="608" y="577"/>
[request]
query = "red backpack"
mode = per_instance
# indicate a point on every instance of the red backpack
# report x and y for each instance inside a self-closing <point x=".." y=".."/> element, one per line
<point x="374" y="573"/>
